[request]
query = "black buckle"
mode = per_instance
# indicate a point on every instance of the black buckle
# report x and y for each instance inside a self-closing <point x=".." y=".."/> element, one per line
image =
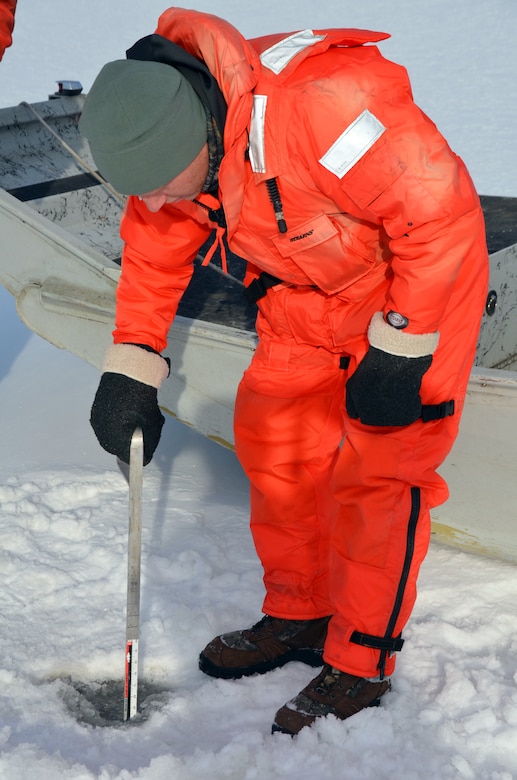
<point x="432" y="412"/>
<point x="386" y="643"/>
<point x="259" y="287"/>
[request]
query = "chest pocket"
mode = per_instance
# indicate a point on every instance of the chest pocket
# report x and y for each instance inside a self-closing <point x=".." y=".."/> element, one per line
<point x="327" y="253"/>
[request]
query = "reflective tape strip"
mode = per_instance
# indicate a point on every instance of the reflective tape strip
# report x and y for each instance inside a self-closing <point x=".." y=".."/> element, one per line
<point x="258" y="121"/>
<point x="352" y="144"/>
<point x="278" y="56"/>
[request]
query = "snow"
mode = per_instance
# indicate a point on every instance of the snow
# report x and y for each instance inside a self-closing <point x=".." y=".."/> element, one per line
<point x="452" y="712"/>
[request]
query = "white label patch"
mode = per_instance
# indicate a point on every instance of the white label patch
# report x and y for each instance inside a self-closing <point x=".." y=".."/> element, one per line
<point x="352" y="144"/>
<point x="278" y="56"/>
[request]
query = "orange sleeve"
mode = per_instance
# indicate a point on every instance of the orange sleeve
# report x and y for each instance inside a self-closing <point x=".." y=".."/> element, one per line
<point x="157" y="265"/>
<point x="429" y="210"/>
<point x="7" y="9"/>
<point x="408" y="181"/>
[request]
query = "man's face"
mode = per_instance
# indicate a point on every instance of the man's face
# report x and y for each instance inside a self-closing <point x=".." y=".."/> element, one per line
<point x="186" y="186"/>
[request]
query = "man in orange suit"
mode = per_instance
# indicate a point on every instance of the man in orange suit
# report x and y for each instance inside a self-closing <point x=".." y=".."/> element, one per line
<point x="367" y="259"/>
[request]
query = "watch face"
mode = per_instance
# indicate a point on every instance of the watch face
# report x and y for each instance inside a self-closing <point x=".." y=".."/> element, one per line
<point x="397" y="320"/>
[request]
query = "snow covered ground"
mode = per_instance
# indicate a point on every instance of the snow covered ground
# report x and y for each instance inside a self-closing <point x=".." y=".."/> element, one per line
<point x="63" y="503"/>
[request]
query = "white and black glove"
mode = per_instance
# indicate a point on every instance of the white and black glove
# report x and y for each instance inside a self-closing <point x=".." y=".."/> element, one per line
<point x="384" y="389"/>
<point x="127" y="398"/>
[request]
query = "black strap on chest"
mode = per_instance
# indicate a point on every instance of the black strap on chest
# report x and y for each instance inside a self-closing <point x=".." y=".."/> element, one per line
<point x="259" y="287"/>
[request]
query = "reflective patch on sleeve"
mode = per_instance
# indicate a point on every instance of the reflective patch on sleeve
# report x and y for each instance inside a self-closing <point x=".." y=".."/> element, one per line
<point x="352" y="144"/>
<point x="278" y="56"/>
<point x="257" y="147"/>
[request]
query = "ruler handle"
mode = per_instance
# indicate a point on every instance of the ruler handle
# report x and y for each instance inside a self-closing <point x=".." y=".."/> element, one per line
<point x="136" y="464"/>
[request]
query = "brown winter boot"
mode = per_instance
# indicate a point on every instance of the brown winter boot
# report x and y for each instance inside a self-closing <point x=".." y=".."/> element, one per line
<point x="270" y="643"/>
<point x="331" y="693"/>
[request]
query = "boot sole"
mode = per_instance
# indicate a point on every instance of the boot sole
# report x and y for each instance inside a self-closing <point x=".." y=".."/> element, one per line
<point x="307" y="656"/>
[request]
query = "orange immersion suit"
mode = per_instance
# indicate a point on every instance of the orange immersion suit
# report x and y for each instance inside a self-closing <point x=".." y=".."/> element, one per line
<point x="335" y="183"/>
<point x="7" y="11"/>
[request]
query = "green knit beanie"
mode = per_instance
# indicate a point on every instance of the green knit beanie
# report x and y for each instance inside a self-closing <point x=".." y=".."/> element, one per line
<point x="144" y="123"/>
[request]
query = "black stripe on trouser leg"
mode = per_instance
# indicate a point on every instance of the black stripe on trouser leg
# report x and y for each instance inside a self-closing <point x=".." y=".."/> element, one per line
<point x="388" y="643"/>
<point x="408" y="559"/>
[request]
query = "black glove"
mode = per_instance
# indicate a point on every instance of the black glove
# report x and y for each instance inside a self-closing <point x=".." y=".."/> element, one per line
<point x="123" y="403"/>
<point x="384" y="389"/>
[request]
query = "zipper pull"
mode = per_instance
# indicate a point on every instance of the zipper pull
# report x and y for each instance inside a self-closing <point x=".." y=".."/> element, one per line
<point x="274" y="197"/>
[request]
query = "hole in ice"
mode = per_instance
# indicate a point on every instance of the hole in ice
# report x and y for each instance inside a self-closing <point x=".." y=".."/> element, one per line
<point x="102" y="703"/>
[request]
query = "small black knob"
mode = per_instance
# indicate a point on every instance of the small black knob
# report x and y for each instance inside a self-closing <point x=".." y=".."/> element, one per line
<point x="491" y="303"/>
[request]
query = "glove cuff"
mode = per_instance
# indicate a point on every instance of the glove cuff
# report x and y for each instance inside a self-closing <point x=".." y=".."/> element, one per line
<point x="395" y="342"/>
<point x="136" y="363"/>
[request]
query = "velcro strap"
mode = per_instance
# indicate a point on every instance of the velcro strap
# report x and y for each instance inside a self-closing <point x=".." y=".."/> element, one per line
<point x="432" y="412"/>
<point x="259" y="287"/>
<point x="391" y="644"/>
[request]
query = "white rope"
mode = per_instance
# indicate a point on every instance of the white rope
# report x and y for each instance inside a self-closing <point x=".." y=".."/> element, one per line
<point x="74" y="154"/>
<point x="103" y="181"/>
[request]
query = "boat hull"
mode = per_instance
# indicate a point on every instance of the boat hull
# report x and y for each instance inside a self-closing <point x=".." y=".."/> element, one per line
<point x="61" y="261"/>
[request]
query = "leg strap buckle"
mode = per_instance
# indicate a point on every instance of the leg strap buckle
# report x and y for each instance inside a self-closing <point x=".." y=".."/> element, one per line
<point x="388" y="644"/>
